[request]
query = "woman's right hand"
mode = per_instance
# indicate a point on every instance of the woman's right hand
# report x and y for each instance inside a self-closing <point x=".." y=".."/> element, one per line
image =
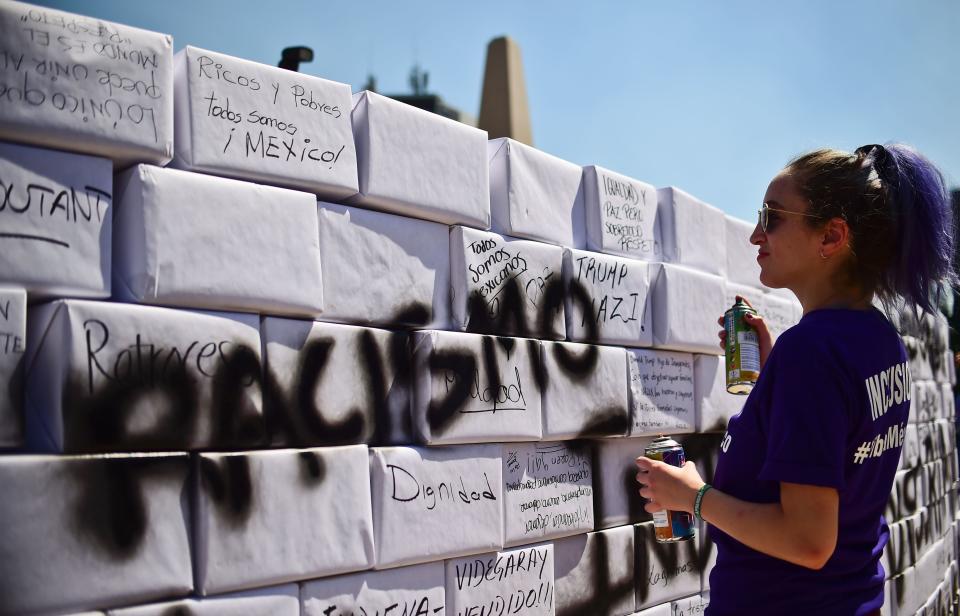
<point x="758" y="324"/>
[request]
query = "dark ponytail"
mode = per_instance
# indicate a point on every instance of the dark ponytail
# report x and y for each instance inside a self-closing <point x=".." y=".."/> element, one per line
<point x="899" y="213"/>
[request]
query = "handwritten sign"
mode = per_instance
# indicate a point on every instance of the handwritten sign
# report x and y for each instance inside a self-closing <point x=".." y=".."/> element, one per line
<point x="55" y="221"/>
<point x="665" y="571"/>
<point x="509" y="582"/>
<point x="13" y="344"/>
<point x="415" y="591"/>
<point x="661" y="392"/>
<point x="691" y="606"/>
<point x="254" y="121"/>
<point x="621" y="214"/>
<point x="548" y="491"/>
<point x="80" y="84"/>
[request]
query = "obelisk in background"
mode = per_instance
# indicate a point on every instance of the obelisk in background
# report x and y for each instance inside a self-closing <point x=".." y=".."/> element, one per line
<point x="503" y="106"/>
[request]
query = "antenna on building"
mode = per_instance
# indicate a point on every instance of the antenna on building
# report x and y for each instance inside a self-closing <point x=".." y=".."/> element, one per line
<point x="291" y="57"/>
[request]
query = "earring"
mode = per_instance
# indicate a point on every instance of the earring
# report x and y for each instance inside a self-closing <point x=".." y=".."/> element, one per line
<point x="822" y="256"/>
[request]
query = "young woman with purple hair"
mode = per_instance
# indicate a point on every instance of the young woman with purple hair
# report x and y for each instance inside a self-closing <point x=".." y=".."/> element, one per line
<point x="806" y="468"/>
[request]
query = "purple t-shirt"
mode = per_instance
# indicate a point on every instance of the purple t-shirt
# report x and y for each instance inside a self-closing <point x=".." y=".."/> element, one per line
<point x="830" y="409"/>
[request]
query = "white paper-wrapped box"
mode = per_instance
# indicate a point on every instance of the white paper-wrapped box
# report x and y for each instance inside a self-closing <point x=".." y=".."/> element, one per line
<point x="741" y="267"/>
<point x="584" y="391"/>
<point x="616" y="497"/>
<point x="383" y="270"/>
<point x="664" y="571"/>
<point x="548" y="491"/>
<point x="276" y="600"/>
<point x="416" y="163"/>
<point x="662" y="397"/>
<point x="192" y="240"/>
<point x="714" y="404"/>
<point x="471" y="388"/>
<point x="607" y="299"/>
<point x="277" y="516"/>
<point x="501" y="285"/>
<point x="256" y="122"/>
<point x="621" y="215"/>
<point x="118" y="377"/>
<point x="691" y="606"/>
<point x="594" y="573"/>
<point x="535" y="195"/>
<point x="92" y="531"/>
<point x="335" y="384"/>
<point x="507" y="582"/>
<point x="417" y="491"/>
<point x="693" y="233"/>
<point x="82" y="84"/>
<point x="418" y="589"/>
<point x="686" y="306"/>
<point x="13" y="346"/>
<point x="55" y="221"/>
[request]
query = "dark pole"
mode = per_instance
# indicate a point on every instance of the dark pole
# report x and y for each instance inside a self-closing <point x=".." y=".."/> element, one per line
<point x="291" y="57"/>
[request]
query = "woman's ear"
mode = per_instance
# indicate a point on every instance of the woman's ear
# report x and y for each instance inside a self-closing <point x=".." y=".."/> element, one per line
<point x="836" y="237"/>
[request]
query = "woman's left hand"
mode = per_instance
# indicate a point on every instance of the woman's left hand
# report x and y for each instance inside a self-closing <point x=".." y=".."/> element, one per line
<point x="666" y="486"/>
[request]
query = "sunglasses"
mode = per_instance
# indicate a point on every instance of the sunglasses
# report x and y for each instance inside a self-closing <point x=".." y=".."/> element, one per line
<point x="767" y="224"/>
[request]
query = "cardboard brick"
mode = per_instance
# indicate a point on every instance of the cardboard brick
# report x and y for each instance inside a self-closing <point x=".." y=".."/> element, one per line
<point x="662" y="393"/>
<point x="693" y="233"/>
<point x="13" y="346"/>
<point x="664" y="571"/>
<point x="714" y="404"/>
<point x="275" y="600"/>
<point x="690" y="606"/>
<point x="741" y="267"/>
<point x="621" y="215"/>
<point x="594" y="573"/>
<point x="616" y="496"/>
<point x="686" y="306"/>
<point x="418" y="589"/>
<point x="509" y="582"/>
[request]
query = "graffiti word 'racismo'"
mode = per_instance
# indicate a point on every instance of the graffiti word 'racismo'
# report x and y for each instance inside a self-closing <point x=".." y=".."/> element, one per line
<point x="407" y="488"/>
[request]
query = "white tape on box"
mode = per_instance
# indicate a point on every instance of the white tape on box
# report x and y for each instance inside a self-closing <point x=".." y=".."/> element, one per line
<point x="621" y="214"/>
<point x="661" y="392"/>
<point x="280" y="600"/>
<point x="416" y="163"/>
<point x="686" y="306"/>
<point x="82" y="84"/>
<point x="535" y="195"/>
<point x="418" y="589"/>
<point x="594" y="573"/>
<point x="507" y="582"/>
<point x="55" y="221"/>
<point x="93" y="531"/>
<point x="470" y="388"/>
<point x="417" y="491"/>
<point x="693" y="233"/>
<point x="500" y="285"/>
<point x="261" y="123"/>
<point x="336" y="384"/>
<point x="664" y="571"/>
<point x="607" y="299"/>
<point x="616" y="496"/>
<point x="714" y="404"/>
<point x="276" y="516"/>
<point x="585" y="393"/>
<point x="381" y="269"/>
<point x="548" y="491"/>
<point x="191" y="240"/>
<point x="104" y="376"/>
<point x="13" y="346"/>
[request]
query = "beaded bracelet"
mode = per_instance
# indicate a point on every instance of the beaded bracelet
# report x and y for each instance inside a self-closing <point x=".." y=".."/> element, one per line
<point x="699" y="500"/>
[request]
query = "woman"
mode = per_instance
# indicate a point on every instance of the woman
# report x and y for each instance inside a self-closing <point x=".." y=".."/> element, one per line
<point x="806" y="468"/>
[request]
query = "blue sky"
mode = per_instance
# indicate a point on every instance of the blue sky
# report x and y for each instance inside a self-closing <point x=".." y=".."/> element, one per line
<point x="713" y="97"/>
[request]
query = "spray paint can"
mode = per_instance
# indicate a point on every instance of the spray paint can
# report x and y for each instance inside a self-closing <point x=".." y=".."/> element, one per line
<point x="670" y="526"/>
<point x="742" y="349"/>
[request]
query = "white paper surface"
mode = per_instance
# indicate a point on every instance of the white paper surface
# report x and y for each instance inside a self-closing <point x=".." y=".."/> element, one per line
<point x="82" y="84"/>
<point x="686" y="306"/>
<point x="471" y="388"/>
<point x="664" y="571"/>
<point x="191" y="240"/>
<point x="690" y="606"/>
<point x="621" y="214"/>
<point x="383" y="270"/>
<point x="607" y="299"/>
<point x="13" y="346"/>
<point x="434" y="503"/>
<point x="257" y="122"/>
<point x="693" y="232"/>
<point x="742" y="267"/>
<point x="140" y="378"/>
<point x="661" y="392"/>
<point x="92" y="531"/>
<point x="616" y="497"/>
<point x="506" y="286"/>
<point x="269" y="517"/>
<point x="664" y="609"/>
<point x="338" y="384"/>
<point x="548" y="491"/>
<point x="280" y="600"/>
<point x="507" y="582"/>
<point x="418" y="589"/>
<point x="714" y="404"/>
<point x="585" y="392"/>
<point x="55" y="219"/>
<point x="416" y="163"/>
<point x="594" y="573"/>
<point x="535" y="195"/>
